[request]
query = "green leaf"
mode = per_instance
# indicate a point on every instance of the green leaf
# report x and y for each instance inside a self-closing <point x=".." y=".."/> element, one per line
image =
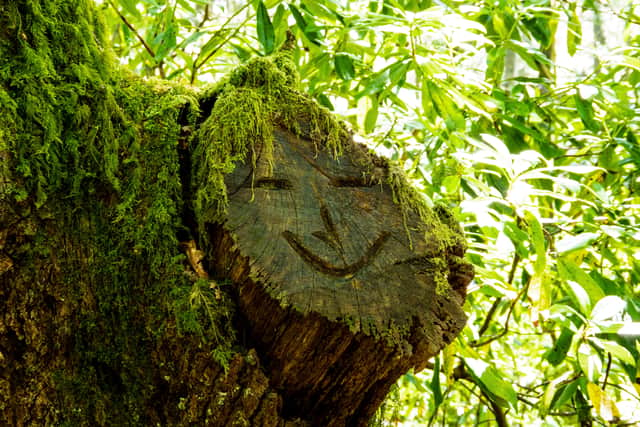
<point x="529" y="54"/>
<point x="398" y="73"/>
<point x="374" y="84"/>
<point x="609" y="308"/>
<point x="451" y="184"/>
<point x="540" y="28"/>
<point x="499" y="26"/>
<point x="130" y="7"/>
<point x="266" y="34"/>
<point x="561" y="347"/>
<point x="536" y="236"/>
<point x="488" y="377"/>
<point x="585" y="111"/>
<point x="411" y="378"/>
<point x="309" y="31"/>
<point x="631" y="62"/>
<point x="279" y="21"/>
<point x="325" y="101"/>
<point x="445" y="106"/>
<point x="571" y="272"/>
<point x="617" y="351"/>
<point x="302" y="23"/>
<point x="576" y="242"/>
<point x="344" y="66"/>
<point x="319" y="10"/>
<point x="567" y="393"/>
<point x="551" y="393"/>
<point x="434" y="385"/>
<point x="518" y="237"/>
<point x="589" y="362"/>
<point x="574" y="33"/>
<point x="629" y="329"/>
<point x="372" y="116"/>
<point x="165" y="42"/>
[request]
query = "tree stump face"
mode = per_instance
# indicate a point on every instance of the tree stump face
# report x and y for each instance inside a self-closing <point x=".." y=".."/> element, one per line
<point x="323" y="235"/>
<point x="335" y="283"/>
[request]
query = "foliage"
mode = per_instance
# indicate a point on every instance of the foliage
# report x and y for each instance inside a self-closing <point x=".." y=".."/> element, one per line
<point x="523" y="116"/>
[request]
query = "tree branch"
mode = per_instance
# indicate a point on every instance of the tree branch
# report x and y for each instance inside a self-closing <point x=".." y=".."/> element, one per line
<point x="494" y="307"/>
<point x="132" y="28"/>
<point x="196" y="63"/>
<point x="460" y="372"/>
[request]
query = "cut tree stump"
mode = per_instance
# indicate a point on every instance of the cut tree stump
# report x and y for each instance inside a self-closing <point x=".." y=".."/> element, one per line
<point x="339" y="288"/>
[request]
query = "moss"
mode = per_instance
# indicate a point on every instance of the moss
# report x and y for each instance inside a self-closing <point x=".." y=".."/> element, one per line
<point x="91" y="170"/>
<point x="247" y="105"/>
<point x="263" y="94"/>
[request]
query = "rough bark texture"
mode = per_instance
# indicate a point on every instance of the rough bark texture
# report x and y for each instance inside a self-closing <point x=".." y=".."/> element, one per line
<point x="331" y="278"/>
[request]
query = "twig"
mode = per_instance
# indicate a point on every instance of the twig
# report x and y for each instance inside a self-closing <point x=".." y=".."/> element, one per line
<point x="606" y="374"/>
<point x="496" y="303"/>
<point x="505" y="329"/>
<point x="205" y="18"/>
<point x="131" y="27"/>
<point x="196" y="63"/>
<point x="460" y="372"/>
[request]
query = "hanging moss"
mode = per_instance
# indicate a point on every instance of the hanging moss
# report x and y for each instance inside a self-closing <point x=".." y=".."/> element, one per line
<point x="248" y="104"/>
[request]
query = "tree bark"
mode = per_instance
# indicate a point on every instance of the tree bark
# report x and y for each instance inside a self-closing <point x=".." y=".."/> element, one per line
<point x="161" y="265"/>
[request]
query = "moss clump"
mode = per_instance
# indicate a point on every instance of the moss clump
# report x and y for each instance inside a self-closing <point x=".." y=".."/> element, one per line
<point x="254" y="99"/>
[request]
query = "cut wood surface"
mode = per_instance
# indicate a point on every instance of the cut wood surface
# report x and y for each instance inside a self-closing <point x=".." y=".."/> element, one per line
<point x="340" y="288"/>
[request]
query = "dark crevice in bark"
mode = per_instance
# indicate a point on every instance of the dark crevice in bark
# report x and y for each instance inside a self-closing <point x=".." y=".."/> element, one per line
<point x="189" y="231"/>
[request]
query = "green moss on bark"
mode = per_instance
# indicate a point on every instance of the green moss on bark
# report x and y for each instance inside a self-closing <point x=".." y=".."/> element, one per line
<point x="91" y="202"/>
<point x="248" y="104"/>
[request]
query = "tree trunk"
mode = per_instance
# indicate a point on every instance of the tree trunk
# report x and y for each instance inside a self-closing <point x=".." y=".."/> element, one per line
<point x="222" y="257"/>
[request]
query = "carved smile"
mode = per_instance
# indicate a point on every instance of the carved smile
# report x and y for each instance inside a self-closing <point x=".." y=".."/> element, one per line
<point x="325" y="266"/>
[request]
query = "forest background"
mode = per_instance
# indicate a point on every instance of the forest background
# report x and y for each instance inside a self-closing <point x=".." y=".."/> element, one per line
<point x="522" y="116"/>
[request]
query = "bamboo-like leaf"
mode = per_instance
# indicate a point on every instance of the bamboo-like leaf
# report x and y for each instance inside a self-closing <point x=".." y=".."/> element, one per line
<point x="585" y="111"/>
<point x="266" y="34"/>
<point x="165" y="42"/>
<point x="434" y="385"/>
<point x="488" y="377"/>
<point x="536" y="236"/>
<point x="344" y="66"/>
<point x="371" y="117"/>
<point x="130" y="7"/>
<point x="574" y="33"/>
<point x="559" y="351"/>
<point x="571" y="272"/>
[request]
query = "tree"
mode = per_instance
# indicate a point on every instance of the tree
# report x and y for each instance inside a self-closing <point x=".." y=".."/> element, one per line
<point x="123" y="197"/>
<point x="505" y="111"/>
<point x="509" y="111"/>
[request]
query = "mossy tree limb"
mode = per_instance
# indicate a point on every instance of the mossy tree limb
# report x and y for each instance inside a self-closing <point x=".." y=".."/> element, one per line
<point x="103" y="174"/>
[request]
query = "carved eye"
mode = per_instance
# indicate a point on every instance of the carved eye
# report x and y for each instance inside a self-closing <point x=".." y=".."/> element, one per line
<point x="349" y="181"/>
<point x="273" y="184"/>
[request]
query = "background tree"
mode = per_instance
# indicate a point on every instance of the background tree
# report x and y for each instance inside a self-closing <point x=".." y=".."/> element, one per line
<point x="523" y="113"/>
